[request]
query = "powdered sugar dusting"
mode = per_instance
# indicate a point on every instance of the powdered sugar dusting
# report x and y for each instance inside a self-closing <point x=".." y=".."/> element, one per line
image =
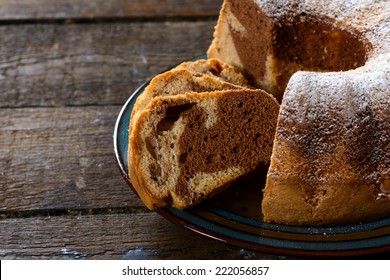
<point x="369" y="17"/>
<point x="325" y="113"/>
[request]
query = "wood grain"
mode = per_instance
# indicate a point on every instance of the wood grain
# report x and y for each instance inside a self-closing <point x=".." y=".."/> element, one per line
<point x="131" y="237"/>
<point x="91" y="64"/>
<point x="103" y="9"/>
<point x="60" y="158"/>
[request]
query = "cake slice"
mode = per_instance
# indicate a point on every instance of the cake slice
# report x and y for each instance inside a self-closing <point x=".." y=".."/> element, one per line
<point x="217" y="69"/>
<point x="186" y="148"/>
<point x="183" y="79"/>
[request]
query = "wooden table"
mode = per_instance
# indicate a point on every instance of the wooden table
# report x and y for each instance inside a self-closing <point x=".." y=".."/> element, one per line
<point x="66" y="69"/>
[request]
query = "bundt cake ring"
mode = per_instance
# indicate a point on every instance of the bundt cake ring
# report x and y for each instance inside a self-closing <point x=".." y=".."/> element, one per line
<point x="328" y="62"/>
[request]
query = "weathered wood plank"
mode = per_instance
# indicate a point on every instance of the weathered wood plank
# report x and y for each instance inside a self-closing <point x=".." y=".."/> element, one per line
<point x="91" y="64"/>
<point x="60" y="158"/>
<point x="110" y="237"/>
<point x="86" y="9"/>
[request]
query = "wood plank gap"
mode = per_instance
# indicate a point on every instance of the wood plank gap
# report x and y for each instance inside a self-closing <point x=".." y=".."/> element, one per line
<point x="106" y="20"/>
<point x="72" y="212"/>
<point x="48" y="106"/>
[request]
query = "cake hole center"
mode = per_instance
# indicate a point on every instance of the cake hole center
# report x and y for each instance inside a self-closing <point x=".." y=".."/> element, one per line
<point x="316" y="44"/>
<point x="273" y="49"/>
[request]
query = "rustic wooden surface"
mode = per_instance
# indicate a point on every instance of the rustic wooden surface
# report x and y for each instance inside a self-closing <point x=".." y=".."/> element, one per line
<point x="111" y="10"/>
<point x="66" y="69"/>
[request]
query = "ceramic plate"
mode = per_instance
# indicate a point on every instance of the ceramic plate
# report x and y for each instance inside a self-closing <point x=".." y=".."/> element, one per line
<point x="234" y="216"/>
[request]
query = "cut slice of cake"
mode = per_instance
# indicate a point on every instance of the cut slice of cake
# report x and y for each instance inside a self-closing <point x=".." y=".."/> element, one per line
<point x="189" y="77"/>
<point x="186" y="148"/>
<point x="217" y="69"/>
